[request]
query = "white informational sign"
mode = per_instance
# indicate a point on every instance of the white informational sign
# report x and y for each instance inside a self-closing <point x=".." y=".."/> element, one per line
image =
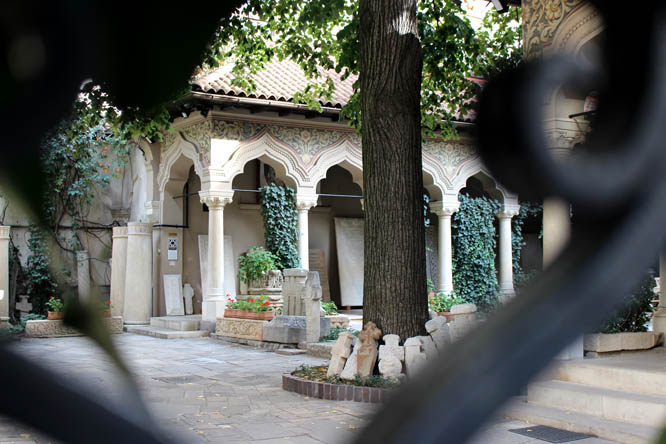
<point x="172" y="249"/>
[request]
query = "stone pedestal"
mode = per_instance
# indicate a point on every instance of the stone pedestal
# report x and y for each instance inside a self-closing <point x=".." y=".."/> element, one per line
<point x="4" y="274"/>
<point x="118" y="269"/>
<point x="83" y="275"/>
<point x="240" y="328"/>
<point x="312" y="307"/>
<point x="138" y="275"/>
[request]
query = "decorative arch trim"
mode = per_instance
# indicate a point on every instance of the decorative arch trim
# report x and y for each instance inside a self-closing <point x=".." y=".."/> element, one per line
<point x="343" y="151"/>
<point x="171" y="156"/>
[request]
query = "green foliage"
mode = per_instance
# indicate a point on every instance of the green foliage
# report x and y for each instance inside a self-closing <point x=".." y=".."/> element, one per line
<point x="20" y="327"/>
<point x="254" y="305"/>
<point x="527" y="210"/>
<point x="324" y="36"/>
<point x="329" y="307"/>
<point x="633" y="316"/>
<point x="474" y="273"/>
<point x="429" y="285"/>
<point x="41" y="285"/>
<point x="255" y="264"/>
<point x="335" y="334"/>
<point x="55" y="304"/>
<point x="280" y="216"/>
<point x="443" y="302"/>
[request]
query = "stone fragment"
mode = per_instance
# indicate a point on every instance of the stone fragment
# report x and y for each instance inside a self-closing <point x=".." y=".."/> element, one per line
<point x="439" y="332"/>
<point x="463" y="309"/>
<point x="351" y="366"/>
<point x="390" y="367"/>
<point x="339" y="321"/>
<point x="432" y="314"/>
<point x="367" y="353"/>
<point x="415" y="358"/>
<point x="24" y="306"/>
<point x="312" y="302"/>
<point x="293" y="291"/>
<point x="339" y="354"/>
<point x="429" y="347"/>
<point x="173" y="295"/>
<point x="188" y="295"/>
<point x="464" y="320"/>
<point x="391" y="347"/>
<point x="291" y="329"/>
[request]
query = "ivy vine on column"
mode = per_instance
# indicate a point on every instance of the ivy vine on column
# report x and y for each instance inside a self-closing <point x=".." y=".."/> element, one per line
<point x="278" y="210"/>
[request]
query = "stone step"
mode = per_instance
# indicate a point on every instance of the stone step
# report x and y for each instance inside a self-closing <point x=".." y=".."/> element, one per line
<point x="617" y="405"/>
<point x="616" y="431"/>
<point x="606" y="373"/>
<point x="164" y="333"/>
<point x="182" y="323"/>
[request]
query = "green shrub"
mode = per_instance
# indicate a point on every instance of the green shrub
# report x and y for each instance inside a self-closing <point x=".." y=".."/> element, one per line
<point x="329" y="307"/>
<point x="280" y="216"/>
<point x="443" y="302"/>
<point x="634" y="314"/>
<point x="255" y="264"/>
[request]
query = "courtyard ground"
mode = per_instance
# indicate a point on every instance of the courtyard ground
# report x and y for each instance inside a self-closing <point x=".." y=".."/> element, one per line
<point x="205" y="390"/>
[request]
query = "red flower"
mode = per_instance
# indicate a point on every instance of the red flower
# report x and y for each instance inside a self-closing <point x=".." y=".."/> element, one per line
<point x="251" y="300"/>
<point x="108" y="302"/>
<point x="51" y="297"/>
<point x="228" y="295"/>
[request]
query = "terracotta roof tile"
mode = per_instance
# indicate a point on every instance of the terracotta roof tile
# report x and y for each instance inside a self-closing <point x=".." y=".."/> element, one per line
<point x="278" y="81"/>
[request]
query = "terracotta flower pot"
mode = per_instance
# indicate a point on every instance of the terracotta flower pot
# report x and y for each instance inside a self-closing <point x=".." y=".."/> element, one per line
<point x="244" y="314"/>
<point x="55" y="315"/>
<point x="449" y="316"/>
<point x="106" y="313"/>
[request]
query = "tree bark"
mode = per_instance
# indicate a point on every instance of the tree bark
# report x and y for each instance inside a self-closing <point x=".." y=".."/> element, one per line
<point x="390" y="63"/>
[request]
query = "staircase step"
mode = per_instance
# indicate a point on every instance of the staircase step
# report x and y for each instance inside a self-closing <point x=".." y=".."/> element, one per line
<point x="634" y="375"/>
<point x="164" y="333"/>
<point x="182" y="323"/>
<point x="616" y="405"/>
<point x="616" y="431"/>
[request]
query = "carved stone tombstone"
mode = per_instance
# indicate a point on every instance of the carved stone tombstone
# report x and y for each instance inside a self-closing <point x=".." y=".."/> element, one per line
<point x="439" y="332"/>
<point x="24" y="306"/>
<point x="312" y="302"/>
<point x="173" y="295"/>
<point x="188" y="294"/>
<point x="351" y="366"/>
<point x="367" y="353"/>
<point x="339" y="354"/>
<point x="391" y="357"/>
<point x="415" y="358"/>
<point x="293" y="291"/>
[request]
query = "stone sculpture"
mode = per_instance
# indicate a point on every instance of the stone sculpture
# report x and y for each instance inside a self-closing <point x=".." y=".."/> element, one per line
<point x="439" y="332"/>
<point x="415" y="358"/>
<point x="188" y="294"/>
<point x="391" y="357"/>
<point x="339" y="354"/>
<point x="367" y="353"/>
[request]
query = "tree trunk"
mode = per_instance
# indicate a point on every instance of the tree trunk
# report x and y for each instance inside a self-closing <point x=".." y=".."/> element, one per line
<point x="390" y="62"/>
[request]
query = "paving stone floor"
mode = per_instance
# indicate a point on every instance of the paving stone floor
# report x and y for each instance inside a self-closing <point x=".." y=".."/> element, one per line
<point x="204" y="390"/>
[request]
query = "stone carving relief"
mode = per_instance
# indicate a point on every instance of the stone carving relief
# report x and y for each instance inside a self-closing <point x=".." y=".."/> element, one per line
<point x="541" y="19"/>
<point x="450" y="154"/>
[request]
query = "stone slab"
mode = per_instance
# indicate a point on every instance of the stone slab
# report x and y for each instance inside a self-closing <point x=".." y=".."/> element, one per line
<point x="339" y="321"/>
<point x="164" y="333"/>
<point x="56" y="329"/>
<point x="173" y="295"/>
<point x="317" y="263"/>
<point x="600" y="342"/>
<point x="290" y="329"/>
<point x="349" y="242"/>
<point x="181" y="323"/>
<point x="240" y="328"/>
<point x="229" y="265"/>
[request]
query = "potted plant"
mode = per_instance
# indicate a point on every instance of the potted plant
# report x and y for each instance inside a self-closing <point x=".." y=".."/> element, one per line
<point x="56" y="308"/>
<point x="259" y="308"/>
<point x="442" y="303"/>
<point x="255" y="267"/>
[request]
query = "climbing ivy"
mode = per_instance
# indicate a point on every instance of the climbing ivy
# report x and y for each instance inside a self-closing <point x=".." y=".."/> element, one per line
<point x="280" y="216"/>
<point x="527" y="210"/>
<point x="41" y="284"/>
<point x="474" y="272"/>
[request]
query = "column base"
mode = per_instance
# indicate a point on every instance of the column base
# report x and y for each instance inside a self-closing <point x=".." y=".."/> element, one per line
<point x="505" y="296"/>
<point x="211" y="309"/>
<point x="659" y="321"/>
<point x="4" y="321"/>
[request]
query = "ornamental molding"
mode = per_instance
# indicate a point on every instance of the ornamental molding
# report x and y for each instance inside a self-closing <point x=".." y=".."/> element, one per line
<point x="119" y="232"/>
<point x="304" y="203"/>
<point x="4" y="231"/>
<point x="444" y="209"/>
<point x="508" y="211"/>
<point x="139" y="228"/>
<point x="216" y="200"/>
<point x="579" y="27"/>
<point x="541" y="20"/>
<point x="181" y="148"/>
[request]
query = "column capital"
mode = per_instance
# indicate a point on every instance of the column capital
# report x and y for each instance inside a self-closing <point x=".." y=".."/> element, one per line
<point x="305" y="202"/>
<point x="444" y="209"/>
<point x="119" y="232"/>
<point x="139" y="228"/>
<point x="215" y="200"/>
<point x="4" y="231"/>
<point x="153" y="209"/>
<point x="508" y="211"/>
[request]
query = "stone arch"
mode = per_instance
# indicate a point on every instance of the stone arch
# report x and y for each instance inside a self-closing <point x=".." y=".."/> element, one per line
<point x="345" y="154"/>
<point x="272" y="151"/>
<point x="478" y="170"/>
<point x="175" y="167"/>
<point x="434" y="178"/>
<point x="578" y="28"/>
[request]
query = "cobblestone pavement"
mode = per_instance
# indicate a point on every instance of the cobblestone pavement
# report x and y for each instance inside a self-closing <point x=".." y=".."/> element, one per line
<point x="205" y="390"/>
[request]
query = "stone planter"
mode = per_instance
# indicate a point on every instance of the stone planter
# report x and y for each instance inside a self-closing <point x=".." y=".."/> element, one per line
<point x="250" y="329"/>
<point x="57" y="328"/>
<point x="244" y="314"/>
<point x="55" y="315"/>
<point x="447" y="314"/>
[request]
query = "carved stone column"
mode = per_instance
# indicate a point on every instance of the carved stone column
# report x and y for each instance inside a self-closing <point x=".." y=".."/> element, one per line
<point x="4" y="274"/>
<point x="138" y="303"/>
<point x="304" y="203"/>
<point x="118" y="269"/>
<point x="212" y="306"/>
<point x="506" y="251"/>
<point x="444" y="211"/>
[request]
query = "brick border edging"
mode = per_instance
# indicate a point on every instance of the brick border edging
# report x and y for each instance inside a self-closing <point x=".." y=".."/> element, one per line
<point x="334" y="392"/>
